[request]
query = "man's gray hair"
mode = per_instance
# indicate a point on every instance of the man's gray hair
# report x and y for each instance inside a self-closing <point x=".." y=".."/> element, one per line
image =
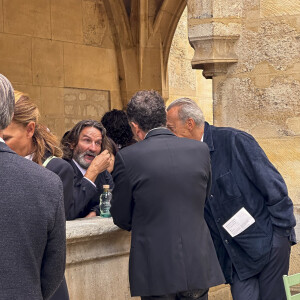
<point x="7" y="102"/>
<point x="188" y="109"/>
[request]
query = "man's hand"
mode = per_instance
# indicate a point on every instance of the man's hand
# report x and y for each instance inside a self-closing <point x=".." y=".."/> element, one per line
<point x="99" y="164"/>
<point x="91" y="214"/>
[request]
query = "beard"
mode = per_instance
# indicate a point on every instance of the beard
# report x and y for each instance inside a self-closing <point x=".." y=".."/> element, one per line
<point x="79" y="158"/>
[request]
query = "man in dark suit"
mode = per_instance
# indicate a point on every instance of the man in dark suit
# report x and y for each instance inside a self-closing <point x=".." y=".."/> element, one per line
<point x="160" y="188"/>
<point x="83" y="148"/>
<point x="244" y="183"/>
<point x="32" y="222"/>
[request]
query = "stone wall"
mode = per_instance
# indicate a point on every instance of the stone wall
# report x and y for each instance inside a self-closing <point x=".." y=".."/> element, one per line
<point x="57" y="50"/>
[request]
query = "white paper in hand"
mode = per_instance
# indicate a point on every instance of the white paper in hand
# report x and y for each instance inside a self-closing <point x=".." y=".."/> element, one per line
<point x="239" y="222"/>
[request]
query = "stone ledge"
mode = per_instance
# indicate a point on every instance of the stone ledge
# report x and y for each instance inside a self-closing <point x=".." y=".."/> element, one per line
<point x="90" y="227"/>
<point x="94" y="239"/>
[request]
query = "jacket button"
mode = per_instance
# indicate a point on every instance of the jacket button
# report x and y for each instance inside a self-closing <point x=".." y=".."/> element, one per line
<point x="226" y="241"/>
<point x="211" y="196"/>
<point x="218" y="220"/>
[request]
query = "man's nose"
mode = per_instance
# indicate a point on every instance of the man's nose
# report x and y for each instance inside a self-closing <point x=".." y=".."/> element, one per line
<point x="93" y="147"/>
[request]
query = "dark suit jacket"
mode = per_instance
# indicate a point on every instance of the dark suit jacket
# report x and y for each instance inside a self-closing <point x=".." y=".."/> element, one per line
<point x="32" y="228"/>
<point x="66" y="173"/>
<point x="160" y="188"/>
<point x="243" y="176"/>
<point x="85" y="195"/>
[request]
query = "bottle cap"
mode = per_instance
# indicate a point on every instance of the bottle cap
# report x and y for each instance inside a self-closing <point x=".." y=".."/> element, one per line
<point x="106" y="186"/>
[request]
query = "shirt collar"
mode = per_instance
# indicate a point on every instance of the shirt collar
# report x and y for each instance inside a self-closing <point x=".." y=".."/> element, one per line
<point x="161" y="127"/>
<point x="29" y="156"/>
<point x="82" y="170"/>
<point x="202" y="137"/>
<point x="2" y="140"/>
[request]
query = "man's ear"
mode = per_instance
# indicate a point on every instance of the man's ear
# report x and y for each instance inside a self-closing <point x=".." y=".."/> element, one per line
<point x="137" y="131"/>
<point x="190" y="123"/>
<point x="30" y="127"/>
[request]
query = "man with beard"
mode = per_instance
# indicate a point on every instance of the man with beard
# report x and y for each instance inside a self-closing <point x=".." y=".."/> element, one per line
<point x="83" y="148"/>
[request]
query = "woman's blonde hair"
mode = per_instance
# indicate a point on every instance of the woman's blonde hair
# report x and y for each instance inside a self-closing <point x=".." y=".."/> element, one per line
<point x="44" y="141"/>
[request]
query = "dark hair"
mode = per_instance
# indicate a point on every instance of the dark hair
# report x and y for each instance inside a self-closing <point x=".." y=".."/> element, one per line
<point x="111" y="146"/>
<point x="147" y="109"/>
<point x="117" y="127"/>
<point x="70" y="139"/>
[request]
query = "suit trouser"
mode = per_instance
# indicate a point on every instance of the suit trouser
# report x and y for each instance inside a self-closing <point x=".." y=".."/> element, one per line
<point x="189" y="295"/>
<point x="268" y="284"/>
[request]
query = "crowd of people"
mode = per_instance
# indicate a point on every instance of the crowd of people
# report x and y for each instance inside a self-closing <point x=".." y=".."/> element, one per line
<point x="204" y="204"/>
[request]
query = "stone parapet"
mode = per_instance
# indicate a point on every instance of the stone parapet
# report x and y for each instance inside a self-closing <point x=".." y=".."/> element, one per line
<point x="97" y="260"/>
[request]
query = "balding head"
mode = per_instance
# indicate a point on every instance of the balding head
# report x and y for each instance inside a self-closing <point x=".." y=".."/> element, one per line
<point x="7" y="102"/>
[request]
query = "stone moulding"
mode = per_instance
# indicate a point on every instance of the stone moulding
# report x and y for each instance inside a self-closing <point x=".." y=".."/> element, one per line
<point x="213" y="54"/>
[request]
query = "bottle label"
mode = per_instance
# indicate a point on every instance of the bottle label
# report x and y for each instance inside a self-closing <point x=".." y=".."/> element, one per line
<point x="105" y="206"/>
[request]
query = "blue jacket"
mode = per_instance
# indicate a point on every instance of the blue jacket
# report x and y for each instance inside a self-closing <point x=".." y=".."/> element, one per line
<point x="242" y="176"/>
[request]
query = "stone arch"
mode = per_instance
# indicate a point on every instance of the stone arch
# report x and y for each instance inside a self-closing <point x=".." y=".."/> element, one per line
<point x="142" y="33"/>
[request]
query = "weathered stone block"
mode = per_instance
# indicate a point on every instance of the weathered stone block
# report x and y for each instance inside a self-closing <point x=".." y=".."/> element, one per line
<point x="15" y="58"/>
<point x="83" y="105"/>
<point x="66" y="20"/>
<point x="53" y="101"/>
<point x="47" y="62"/>
<point x="90" y="67"/>
<point x="200" y="9"/>
<point x="27" y="17"/>
<point x="294" y="125"/>
<point x="279" y="7"/>
<point x="95" y="24"/>
<point x="33" y="91"/>
<point x="227" y="8"/>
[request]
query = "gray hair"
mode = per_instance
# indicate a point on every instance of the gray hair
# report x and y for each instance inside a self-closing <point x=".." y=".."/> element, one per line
<point x="188" y="109"/>
<point x="147" y="109"/>
<point x="7" y="102"/>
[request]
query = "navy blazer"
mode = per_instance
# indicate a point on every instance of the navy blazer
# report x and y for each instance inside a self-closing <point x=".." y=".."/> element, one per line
<point x="243" y="176"/>
<point x="86" y="196"/>
<point x="161" y="185"/>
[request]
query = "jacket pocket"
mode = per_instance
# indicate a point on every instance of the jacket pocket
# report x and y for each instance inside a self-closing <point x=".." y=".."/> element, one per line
<point x="228" y="187"/>
<point x="254" y="242"/>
